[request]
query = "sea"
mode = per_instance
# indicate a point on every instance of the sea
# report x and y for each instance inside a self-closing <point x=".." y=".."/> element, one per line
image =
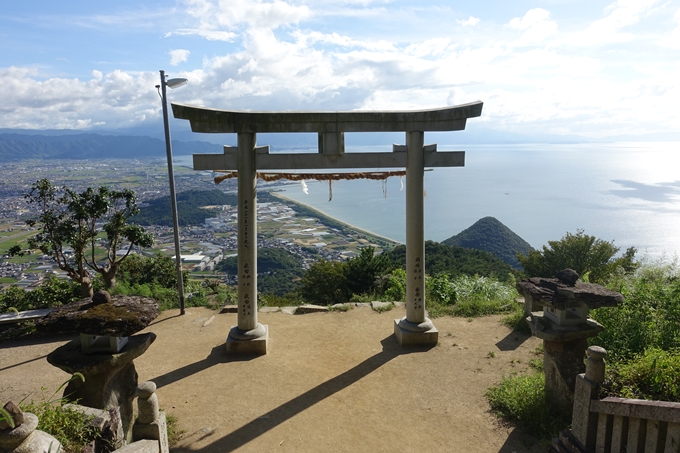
<point x="628" y="193"/>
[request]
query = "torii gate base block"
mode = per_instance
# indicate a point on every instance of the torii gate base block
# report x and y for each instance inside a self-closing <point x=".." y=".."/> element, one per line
<point x="408" y="338"/>
<point x="254" y="346"/>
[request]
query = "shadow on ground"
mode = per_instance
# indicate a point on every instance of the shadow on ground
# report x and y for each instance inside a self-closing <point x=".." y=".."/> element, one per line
<point x="288" y="410"/>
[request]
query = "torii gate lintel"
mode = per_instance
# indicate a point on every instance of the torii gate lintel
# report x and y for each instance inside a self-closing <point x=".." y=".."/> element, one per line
<point x="415" y="328"/>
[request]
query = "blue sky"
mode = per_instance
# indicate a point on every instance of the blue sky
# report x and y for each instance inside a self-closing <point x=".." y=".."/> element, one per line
<point x="572" y="67"/>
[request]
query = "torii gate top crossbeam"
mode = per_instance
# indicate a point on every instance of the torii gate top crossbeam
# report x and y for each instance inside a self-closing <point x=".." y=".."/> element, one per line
<point x="226" y="121"/>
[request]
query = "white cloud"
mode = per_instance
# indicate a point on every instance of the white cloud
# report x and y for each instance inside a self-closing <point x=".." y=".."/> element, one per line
<point x="536" y="25"/>
<point x="210" y="35"/>
<point x="227" y="15"/>
<point x="609" y="29"/>
<point x="530" y="19"/>
<point x="434" y="47"/>
<point x="469" y="21"/>
<point x="178" y="56"/>
<point x="308" y="38"/>
<point x="287" y="55"/>
<point x="115" y="99"/>
<point x="673" y="39"/>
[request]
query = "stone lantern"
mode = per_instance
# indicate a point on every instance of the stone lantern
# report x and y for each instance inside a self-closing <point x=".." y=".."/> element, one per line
<point x="105" y="349"/>
<point x="564" y="326"/>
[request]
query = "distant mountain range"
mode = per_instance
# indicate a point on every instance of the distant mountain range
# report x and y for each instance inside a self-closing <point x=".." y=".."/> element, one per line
<point x="492" y="236"/>
<point x="149" y="141"/>
<point x="93" y="146"/>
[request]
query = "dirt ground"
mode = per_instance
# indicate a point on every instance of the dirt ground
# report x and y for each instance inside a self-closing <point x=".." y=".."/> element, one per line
<point x="331" y="382"/>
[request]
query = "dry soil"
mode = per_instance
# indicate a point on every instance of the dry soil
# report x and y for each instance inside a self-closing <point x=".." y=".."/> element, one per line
<point x="331" y="382"/>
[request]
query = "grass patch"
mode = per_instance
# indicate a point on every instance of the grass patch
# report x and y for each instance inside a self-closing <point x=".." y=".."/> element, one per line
<point x="175" y="433"/>
<point x="68" y="425"/>
<point x="520" y="399"/>
<point x="468" y="296"/>
<point x="516" y="320"/>
<point x="273" y="300"/>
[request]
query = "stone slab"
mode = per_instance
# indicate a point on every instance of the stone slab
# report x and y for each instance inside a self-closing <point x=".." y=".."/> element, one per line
<point x="362" y="305"/>
<point x="122" y="317"/>
<point x="302" y="309"/>
<point x="269" y="309"/>
<point x="406" y="338"/>
<point x="555" y="293"/>
<point x="25" y="315"/>
<point x="257" y="346"/>
<point x="288" y="310"/>
<point x="141" y="446"/>
<point x="229" y="309"/>
<point x="378" y="306"/>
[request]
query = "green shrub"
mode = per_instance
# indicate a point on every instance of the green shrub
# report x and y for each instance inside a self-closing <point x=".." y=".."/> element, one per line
<point x="325" y="283"/>
<point x="521" y="399"/>
<point x="396" y="286"/>
<point x="167" y="298"/>
<point x="649" y="316"/>
<point x="51" y="293"/>
<point x="654" y="375"/>
<point x="468" y="296"/>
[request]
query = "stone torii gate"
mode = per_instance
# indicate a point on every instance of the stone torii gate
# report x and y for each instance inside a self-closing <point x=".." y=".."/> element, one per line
<point x="415" y="328"/>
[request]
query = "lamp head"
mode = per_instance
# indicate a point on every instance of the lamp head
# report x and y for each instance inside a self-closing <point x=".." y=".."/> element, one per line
<point x="174" y="83"/>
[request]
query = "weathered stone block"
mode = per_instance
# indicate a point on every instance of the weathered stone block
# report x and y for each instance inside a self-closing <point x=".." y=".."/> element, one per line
<point x="381" y="306"/>
<point x="408" y="338"/>
<point x="256" y="346"/>
<point x="302" y="309"/>
<point x="141" y="446"/>
<point x="154" y="431"/>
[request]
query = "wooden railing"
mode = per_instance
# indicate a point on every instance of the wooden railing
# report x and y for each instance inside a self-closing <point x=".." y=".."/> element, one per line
<point x="614" y="425"/>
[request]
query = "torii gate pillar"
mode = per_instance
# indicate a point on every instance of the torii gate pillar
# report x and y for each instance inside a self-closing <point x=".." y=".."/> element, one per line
<point x="249" y="336"/>
<point x="415" y="328"/>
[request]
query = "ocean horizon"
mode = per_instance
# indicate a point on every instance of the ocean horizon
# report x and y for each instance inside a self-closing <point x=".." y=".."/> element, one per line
<point x="628" y="193"/>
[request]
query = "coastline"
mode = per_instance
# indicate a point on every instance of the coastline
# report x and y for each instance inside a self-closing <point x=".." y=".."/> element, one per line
<point x="349" y="225"/>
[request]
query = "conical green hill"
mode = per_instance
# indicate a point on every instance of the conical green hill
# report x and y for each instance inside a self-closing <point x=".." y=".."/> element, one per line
<point x="491" y="235"/>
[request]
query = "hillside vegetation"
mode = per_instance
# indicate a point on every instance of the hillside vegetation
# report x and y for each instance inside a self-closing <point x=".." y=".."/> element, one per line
<point x="455" y="261"/>
<point x="492" y="236"/>
<point x="190" y="210"/>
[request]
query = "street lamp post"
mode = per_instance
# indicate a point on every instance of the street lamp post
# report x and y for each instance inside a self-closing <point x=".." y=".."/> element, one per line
<point x="172" y="83"/>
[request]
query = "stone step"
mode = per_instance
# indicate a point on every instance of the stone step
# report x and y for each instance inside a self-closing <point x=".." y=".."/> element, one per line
<point x="27" y="315"/>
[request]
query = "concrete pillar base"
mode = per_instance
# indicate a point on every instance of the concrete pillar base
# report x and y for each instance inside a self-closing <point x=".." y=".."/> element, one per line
<point x="255" y="346"/>
<point x="409" y="338"/>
